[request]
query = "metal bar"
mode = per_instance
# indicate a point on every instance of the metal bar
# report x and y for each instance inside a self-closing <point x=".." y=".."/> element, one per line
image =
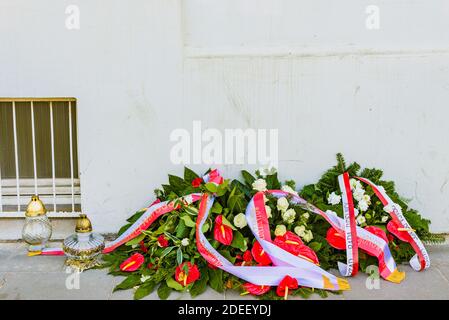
<point x="5" y="99"/>
<point x="16" y="154"/>
<point x="33" y="135"/>
<point x="71" y="156"/>
<point x="52" y="156"/>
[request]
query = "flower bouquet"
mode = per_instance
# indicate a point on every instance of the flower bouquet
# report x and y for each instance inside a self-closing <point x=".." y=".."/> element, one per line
<point x="183" y="248"/>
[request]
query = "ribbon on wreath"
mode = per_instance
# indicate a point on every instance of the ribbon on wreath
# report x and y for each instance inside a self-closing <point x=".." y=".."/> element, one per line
<point x="284" y="263"/>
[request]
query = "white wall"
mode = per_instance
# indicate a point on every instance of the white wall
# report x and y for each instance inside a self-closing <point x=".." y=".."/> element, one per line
<point x="312" y="70"/>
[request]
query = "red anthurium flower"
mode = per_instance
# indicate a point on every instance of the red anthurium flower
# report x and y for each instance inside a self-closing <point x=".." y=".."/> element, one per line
<point x="292" y="243"/>
<point x="378" y="232"/>
<point x="132" y="263"/>
<point x="390" y="237"/>
<point x="247" y="257"/>
<point x="162" y="241"/>
<point x="222" y="232"/>
<point x="401" y="234"/>
<point x="335" y="239"/>
<point x="142" y="247"/>
<point x="185" y="278"/>
<point x="260" y="255"/>
<point x="285" y="285"/>
<point x="197" y="182"/>
<point x="255" y="289"/>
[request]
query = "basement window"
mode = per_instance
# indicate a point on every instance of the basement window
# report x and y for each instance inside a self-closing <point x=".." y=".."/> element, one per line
<point x="39" y="155"/>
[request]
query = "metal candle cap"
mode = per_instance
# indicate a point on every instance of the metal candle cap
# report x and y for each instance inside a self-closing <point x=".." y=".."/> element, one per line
<point x="35" y="207"/>
<point x="83" y="224"/>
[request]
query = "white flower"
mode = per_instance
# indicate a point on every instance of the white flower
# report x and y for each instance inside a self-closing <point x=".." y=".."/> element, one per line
<point x="363" y="205"/>
<point x="308" y="236"/>
<point x="306" y="215"/>
<point x="356" y="212"/>
<point x="265" y="171"/>
<point x="360" y="220"/>
<point x="240" y="221"/>
<point x="355" y="184"/>
<point x="282" y="204"/>
<point x="288" y="189"/>
<point x="384" y="218"/>
<point x="260" y="185"/>
<point x="358" y="194"/>
<point x="300" y="230"/>
<point x="289" y="216"/>
<point x="144" y="278"/>
<point x="268" y="211"/>
<point x="280" y="230"/>
<point x="367" y="198"/>
<point x="185" y="242"/>
<point x="334" y="199"/>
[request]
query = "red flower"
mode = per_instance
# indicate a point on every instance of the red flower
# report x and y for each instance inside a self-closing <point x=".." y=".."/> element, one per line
<point x="197" y="182"/>
<point x="390" y="237"/>
<point x="378" y="232"/>
<point x="335" y="239"/>
<point x="398" y="232"/>
<point x="222" y="232"/>
<point x="284" y="286"/>
<point x="187" y="273"/>
<point x="247" y="257"/>
<point x="292" y="243"/>
<point x="255" y="289"/>
<point x="142" y="247"/>
<point x="151" y="266"/>
<point x="162" y="241"/>
<point x="132" y="263"/>
<point x="260" y="255"/>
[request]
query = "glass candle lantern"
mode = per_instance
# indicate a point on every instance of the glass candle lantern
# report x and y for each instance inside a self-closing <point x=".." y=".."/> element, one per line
<point x="37" y="228"/>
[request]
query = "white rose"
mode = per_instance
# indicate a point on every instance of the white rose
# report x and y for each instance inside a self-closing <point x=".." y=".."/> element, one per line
<point x="185" y="242"/>
<point x="361" y="220"/>
<point x="358" y="194"/>
<point x="334" y="199"/>
<point x="308" y="236"/>
<point x="363" y="205"/>
<point x="289" y="216"/>
<point x="260" y="185"/>
<point x="268" y="211"/>
<point x="306" y="215"/>
<point x="300" y="230"/>
<point x="240" y="221"/>
<point x="282" y="204"/>
<point x="288" y="189"/>
<point x="384" y="219"/>
<point x="280" y="230"/>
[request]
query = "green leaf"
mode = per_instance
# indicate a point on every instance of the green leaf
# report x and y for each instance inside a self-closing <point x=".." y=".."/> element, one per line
<point x="200" y="285"/>
<point x="167" y="251"/>
<point x="315" y="246"/>
<point x="144" y="290"/>
<point x="227" y="223"/>
<point x="179" y="256"/>
<point x="239" y="241"/>
<point x="211" y="187"/>
<point x="129" y="282"/>
<point x="164" y="291"/>
<point x="249" y="179"/>
<point x="188" y="221"/>
<point x="216" y="279"/>
<point x="172" y="283"/>
<point x="189" y="175"/>
<point x="177" y="183"/>
<point x="205" y="227"/>
<point x="136" y="240"/>
<point x="216" y="208"/>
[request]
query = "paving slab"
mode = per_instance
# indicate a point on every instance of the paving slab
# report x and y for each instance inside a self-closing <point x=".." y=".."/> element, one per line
<point x="46" y="277"/>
